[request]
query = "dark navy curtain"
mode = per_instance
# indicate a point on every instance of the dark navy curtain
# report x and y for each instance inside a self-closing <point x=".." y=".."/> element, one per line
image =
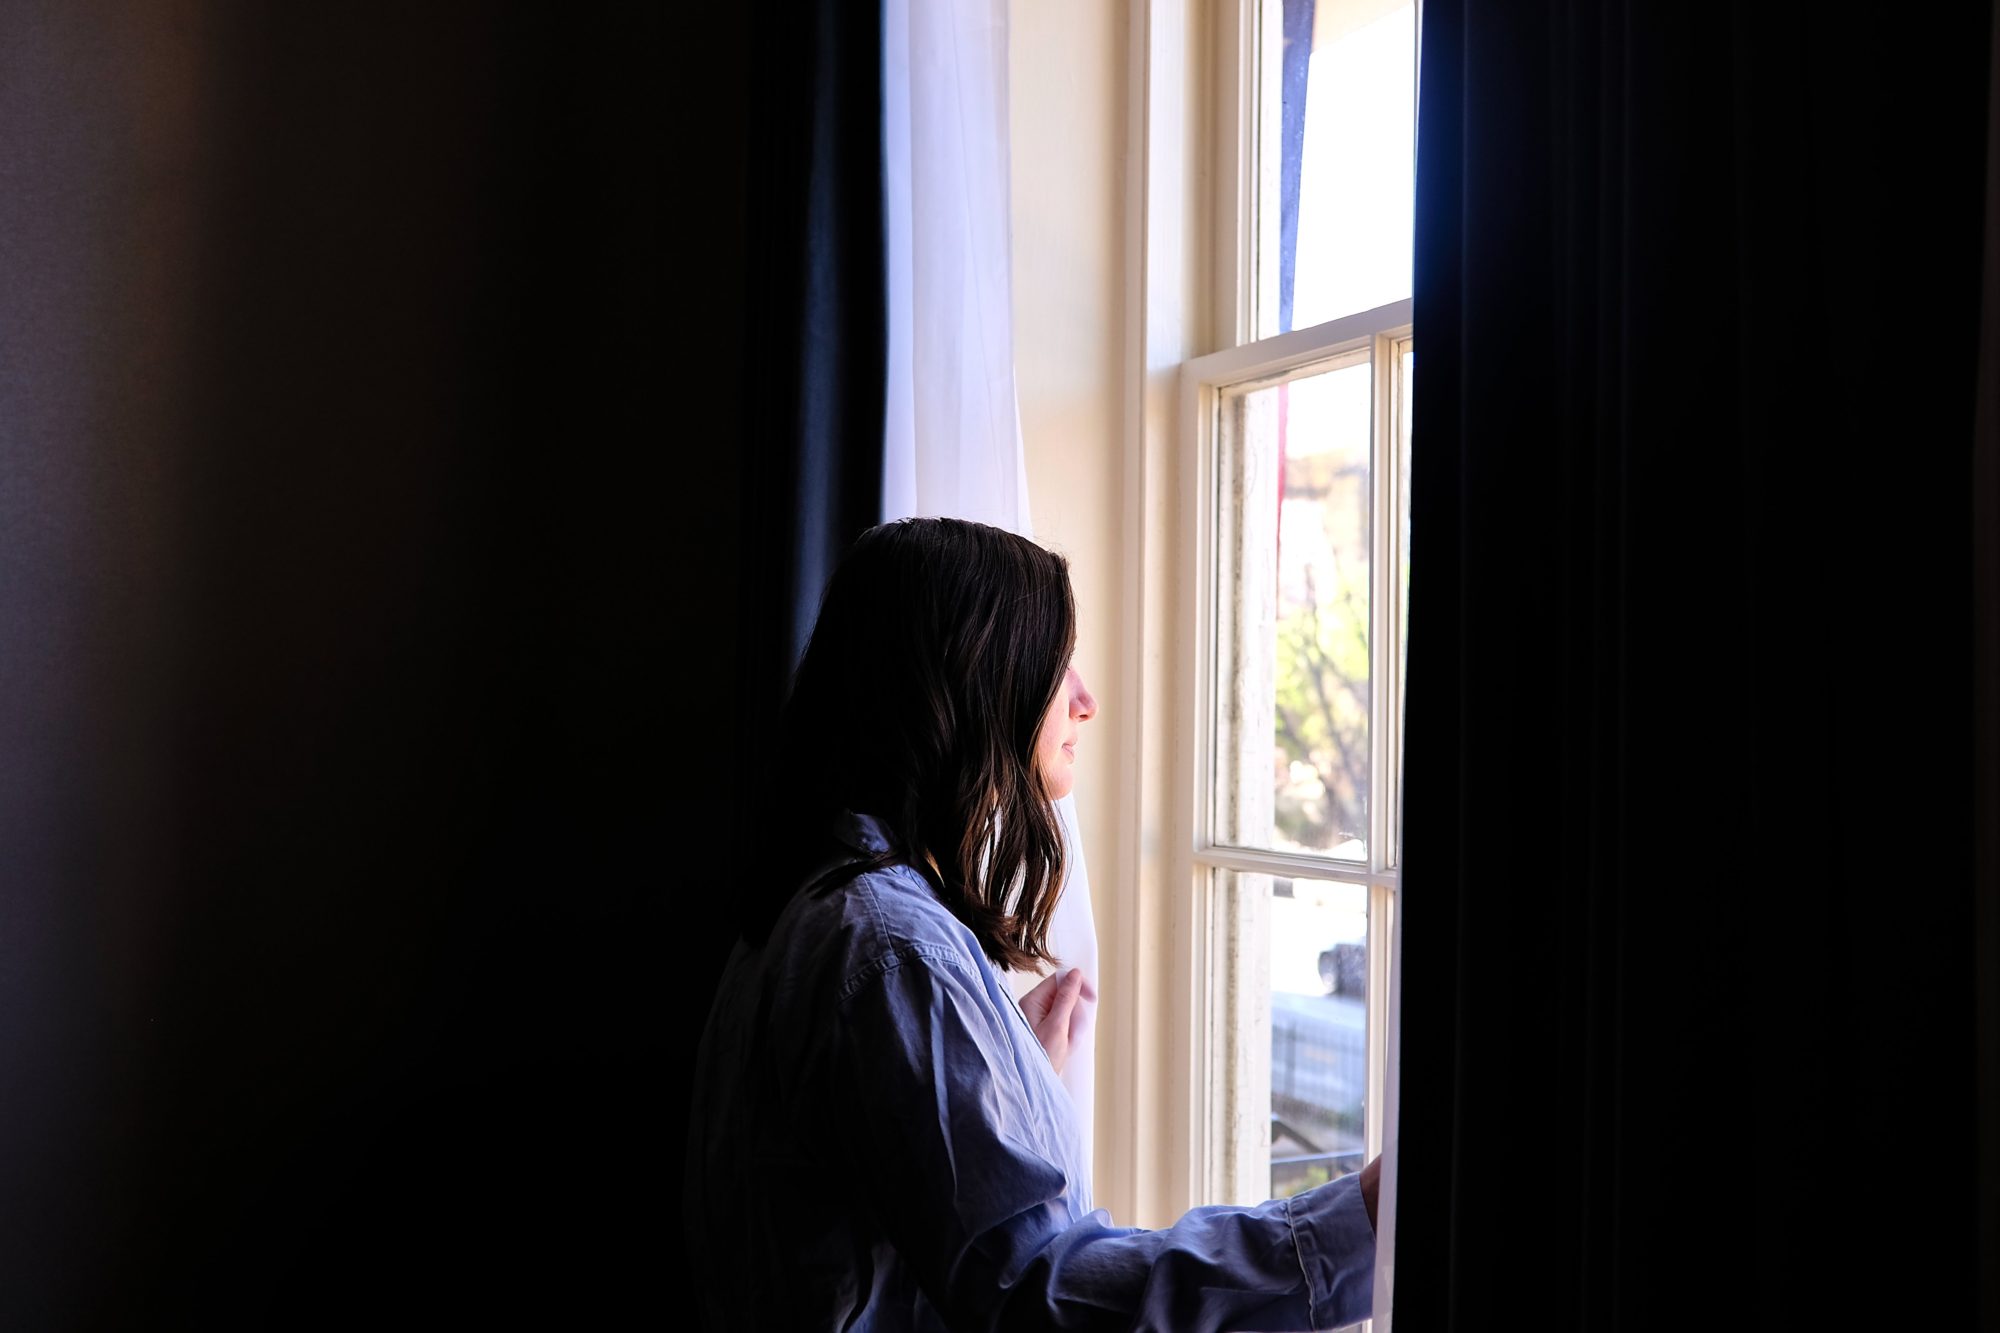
<point x="371" y="412"/>
<point x="816" y="315"/>
<point x="1691" y="899"/>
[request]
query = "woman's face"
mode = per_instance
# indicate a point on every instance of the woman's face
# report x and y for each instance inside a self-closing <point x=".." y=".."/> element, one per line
<point x="1055" y="744"/>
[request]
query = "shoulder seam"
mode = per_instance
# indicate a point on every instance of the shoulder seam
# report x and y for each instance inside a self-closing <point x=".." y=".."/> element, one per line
<point x="908" y="952"/>
<point x="897" y="951"/>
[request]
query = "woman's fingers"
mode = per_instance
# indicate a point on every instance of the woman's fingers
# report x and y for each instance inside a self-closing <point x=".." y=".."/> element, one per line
<point x="1064" y="1004"/>
<point x="1052" y="1010"/>
<point x="1064" y="1016"/>
<point x="1035" y="1004"/>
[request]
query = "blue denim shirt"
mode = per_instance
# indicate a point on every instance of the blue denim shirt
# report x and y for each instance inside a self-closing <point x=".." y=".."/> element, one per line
<point x="877" y="1141"/>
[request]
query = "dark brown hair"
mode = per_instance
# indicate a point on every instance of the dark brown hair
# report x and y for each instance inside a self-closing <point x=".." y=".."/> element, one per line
<point x="939" y="647"/>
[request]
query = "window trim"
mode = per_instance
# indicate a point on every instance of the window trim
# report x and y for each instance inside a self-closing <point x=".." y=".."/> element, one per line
<point x="1145" y="1158"/>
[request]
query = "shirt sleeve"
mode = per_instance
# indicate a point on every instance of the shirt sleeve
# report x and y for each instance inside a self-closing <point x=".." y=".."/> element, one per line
<point x="955" y="1171"/>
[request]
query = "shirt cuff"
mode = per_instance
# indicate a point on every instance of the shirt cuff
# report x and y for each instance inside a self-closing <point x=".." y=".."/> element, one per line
<point x="1336" y="1248"/>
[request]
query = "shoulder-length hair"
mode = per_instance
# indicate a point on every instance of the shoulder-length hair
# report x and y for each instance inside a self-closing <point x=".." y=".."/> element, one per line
<point x="939" y="648"/>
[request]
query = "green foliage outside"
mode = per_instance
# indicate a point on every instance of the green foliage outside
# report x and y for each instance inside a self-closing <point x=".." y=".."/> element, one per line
<point x="1322" y="681"/>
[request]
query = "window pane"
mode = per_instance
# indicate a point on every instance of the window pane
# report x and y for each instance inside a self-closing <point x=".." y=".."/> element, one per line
<point x="1319" y="1032"/>
<point x="1337" y="149"/>
<point x="1292" y="679"/>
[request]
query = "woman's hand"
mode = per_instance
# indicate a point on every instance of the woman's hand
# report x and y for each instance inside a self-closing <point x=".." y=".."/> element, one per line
<point x="1054" y="1014"/>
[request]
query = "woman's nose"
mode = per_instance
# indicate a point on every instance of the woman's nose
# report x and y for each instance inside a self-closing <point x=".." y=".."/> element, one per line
<point x="1082" y="704"/>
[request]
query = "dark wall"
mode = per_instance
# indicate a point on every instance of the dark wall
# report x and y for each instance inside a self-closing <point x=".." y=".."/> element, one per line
<point x="369" y="389"/>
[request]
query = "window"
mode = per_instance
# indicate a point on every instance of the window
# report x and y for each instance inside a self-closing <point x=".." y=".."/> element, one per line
<point x="1295" y="437"/>
<point x="1245" y="941"/>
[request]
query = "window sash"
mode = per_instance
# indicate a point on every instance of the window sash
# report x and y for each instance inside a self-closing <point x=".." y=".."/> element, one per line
<point x="1231" y="1059"/>
<point x="1383" y="332"/>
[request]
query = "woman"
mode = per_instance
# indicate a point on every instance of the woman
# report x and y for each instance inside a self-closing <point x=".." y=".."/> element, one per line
<point x="878" y="1138"/>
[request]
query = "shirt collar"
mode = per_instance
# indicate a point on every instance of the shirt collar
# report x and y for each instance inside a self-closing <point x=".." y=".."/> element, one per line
<point x="863" y="833"/>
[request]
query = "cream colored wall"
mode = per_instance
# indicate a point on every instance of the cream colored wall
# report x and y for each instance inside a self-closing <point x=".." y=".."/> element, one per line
<point x="1068" y="62"/>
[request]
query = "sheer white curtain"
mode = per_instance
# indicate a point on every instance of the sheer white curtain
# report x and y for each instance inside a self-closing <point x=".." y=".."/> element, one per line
<point x="953" y="439"/>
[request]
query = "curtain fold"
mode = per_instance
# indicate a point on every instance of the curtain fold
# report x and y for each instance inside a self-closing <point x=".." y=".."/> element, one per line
<point x="952" y="435"/>
<point x="1689" y="819"/>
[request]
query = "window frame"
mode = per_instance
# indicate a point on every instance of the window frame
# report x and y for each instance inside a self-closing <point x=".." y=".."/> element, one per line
<point x="1190" y="215"/>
